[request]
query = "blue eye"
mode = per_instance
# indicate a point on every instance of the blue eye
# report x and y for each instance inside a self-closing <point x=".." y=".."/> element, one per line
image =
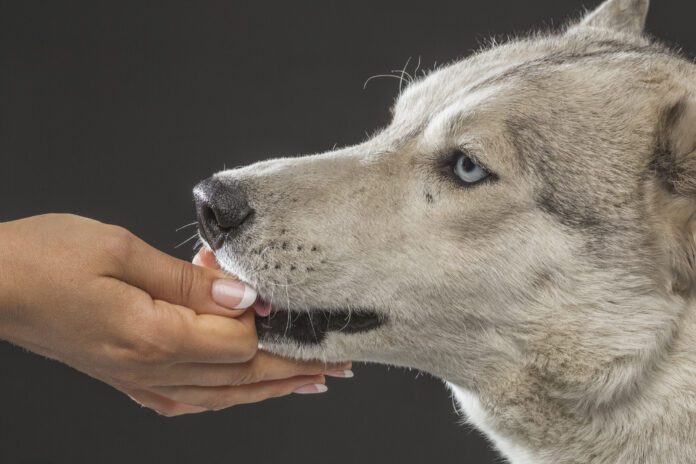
<point x="468" y="171"/>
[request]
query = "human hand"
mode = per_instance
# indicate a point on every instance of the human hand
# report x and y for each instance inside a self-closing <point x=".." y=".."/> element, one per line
<point x="101" y="300"/>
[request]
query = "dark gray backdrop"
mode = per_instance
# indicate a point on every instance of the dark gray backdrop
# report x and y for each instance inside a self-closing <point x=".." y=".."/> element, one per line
<point x="115" y="109"/>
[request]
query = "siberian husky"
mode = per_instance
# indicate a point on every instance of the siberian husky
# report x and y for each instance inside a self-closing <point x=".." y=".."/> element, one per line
<point x="523" y="229"/>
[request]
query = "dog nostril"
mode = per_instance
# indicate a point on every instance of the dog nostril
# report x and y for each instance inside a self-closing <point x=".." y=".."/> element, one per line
<point x="231" y="219"/>
<point x="208" y="218"/>
<point x="209" y="227"/>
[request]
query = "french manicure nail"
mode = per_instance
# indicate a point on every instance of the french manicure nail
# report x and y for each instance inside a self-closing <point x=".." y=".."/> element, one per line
<point x="311" y="389"/>
<point x="233" y="294"/>
<point x="341" y="373"/>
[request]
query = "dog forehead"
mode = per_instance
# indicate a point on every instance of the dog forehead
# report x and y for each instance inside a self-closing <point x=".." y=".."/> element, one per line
<point x="444" y="86"/>
<point x="519" y="69"/>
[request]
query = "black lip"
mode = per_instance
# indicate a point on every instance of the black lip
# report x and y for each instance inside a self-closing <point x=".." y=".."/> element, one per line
<point x="310" y="327"/>
<point x="213" y="243"/>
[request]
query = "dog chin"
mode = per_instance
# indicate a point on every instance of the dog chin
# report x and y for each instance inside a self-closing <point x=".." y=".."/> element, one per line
<point x="327" y="351"/>
<point x="287" y="348"/>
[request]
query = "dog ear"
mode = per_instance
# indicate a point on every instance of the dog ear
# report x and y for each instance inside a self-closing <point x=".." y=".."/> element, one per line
<point x="674" y="201"/>
<point x="620" y="15"/>
<point x="675" y="154"/>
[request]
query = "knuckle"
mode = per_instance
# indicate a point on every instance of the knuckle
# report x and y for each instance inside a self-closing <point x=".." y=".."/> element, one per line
<point x="118" y="243"/>
<point x="118" y="353"/>
<point x="252" y="373"/>
<point x="141" y="377"/>
<point x="248" y="352"/>
<point x="124" y="367"/>
<point x="153" y="354"/>
<point x="248" y="348"/>
<point x="147" y="348"/>
<point x="186" y="277"/>
<point x="311" y="369"/>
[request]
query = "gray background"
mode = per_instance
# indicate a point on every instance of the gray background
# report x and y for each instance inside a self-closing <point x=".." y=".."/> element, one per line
<point x="115" y="110"/>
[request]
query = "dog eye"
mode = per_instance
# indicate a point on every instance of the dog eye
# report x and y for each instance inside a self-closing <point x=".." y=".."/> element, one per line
<point x="468" y="171"/>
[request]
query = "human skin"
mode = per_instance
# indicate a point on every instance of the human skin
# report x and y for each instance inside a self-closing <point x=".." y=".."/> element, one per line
<point x="159" y="329"/>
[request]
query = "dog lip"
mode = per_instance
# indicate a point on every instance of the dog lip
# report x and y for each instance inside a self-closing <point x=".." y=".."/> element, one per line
<point x="311" y="326"/>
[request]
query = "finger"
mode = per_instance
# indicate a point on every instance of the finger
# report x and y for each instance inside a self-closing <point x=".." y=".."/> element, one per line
<point x="206" y="338"/>
<point x="206" y="258"/>
<point x="179" y="282"/>
<point x="161" y="404"/>
<point x="216" y="398"/>
<point x="262" y="367"/>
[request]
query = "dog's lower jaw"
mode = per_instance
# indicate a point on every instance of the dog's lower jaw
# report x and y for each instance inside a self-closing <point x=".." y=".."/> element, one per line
<point x="335" y="347"/>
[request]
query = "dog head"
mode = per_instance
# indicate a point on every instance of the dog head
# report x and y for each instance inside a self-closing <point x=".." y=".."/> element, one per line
<point x="532" y="203"/>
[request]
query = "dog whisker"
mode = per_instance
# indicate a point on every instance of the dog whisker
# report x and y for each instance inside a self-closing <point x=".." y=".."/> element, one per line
<point x="187" y="240"/>
<point x="415" y="71"/>
<point x="350" y="313"/>
<point x="198" y="245"/>
<point x="185" y="226"/>
<point x="403" y="71"/>
<point x="311" y="324"/>
<point x="379" y="75"/>
<point x="287" y="297"/>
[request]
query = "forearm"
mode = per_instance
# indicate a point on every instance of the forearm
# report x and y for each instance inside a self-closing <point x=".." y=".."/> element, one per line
<point x="12" y="279"/>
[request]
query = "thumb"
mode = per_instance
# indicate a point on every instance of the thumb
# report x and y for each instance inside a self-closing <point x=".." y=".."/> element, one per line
<point x="181" y="283"/>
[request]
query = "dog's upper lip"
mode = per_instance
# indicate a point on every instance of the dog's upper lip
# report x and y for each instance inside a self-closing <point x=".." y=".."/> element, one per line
<point x="310" y="326"/>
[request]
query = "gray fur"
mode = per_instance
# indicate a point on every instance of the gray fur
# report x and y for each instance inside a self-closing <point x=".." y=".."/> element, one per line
<point x="557" y="301"/>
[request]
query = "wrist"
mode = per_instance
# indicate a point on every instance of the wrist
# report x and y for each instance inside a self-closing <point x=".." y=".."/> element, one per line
<point x="10" y="303"/>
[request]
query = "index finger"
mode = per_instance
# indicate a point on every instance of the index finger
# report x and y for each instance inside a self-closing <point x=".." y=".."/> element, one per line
<point x="209" y="338"/>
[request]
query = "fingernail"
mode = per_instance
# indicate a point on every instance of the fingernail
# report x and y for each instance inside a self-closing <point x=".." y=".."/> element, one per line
<point x="341" y="373"/>
<point x="233" y="294"/>
<point x="311" y="389"/>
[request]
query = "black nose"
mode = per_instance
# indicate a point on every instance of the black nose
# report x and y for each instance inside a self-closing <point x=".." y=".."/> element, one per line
<point x="222" y="209"/>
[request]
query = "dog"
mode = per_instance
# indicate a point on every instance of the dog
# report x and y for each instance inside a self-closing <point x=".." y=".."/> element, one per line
<point x="523" y="229"/>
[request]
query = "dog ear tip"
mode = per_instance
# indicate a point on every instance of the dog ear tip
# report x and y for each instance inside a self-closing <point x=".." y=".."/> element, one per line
<point x="626" y="16"/>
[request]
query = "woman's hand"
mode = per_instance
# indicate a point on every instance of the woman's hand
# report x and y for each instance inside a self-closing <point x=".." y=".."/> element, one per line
<point x="159" y="329"/>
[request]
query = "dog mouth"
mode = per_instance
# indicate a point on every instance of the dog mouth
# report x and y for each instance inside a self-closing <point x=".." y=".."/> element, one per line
<point x="308" y="326"/>
<point x="311" y="326"/>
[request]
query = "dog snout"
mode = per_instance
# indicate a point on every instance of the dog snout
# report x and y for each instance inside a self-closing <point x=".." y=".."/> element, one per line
<point x="222" y="209"/>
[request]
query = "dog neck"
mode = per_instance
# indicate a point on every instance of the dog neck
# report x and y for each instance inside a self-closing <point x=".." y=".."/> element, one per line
<point x="554" y="408"/>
